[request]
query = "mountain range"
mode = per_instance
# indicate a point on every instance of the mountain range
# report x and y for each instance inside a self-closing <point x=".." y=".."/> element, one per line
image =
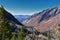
<point x="21" y="18"/>
<point x="42" y="21"/>
<point x="45" y="20"/>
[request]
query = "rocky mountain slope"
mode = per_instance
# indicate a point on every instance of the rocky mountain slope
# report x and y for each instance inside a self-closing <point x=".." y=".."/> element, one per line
<point x="45" y="20"/>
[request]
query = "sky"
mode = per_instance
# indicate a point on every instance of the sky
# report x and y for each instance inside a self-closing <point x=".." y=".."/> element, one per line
<point x="28" y="7"/>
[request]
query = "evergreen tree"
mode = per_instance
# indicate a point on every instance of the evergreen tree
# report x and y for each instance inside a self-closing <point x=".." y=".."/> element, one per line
<point x="22" y="34"/>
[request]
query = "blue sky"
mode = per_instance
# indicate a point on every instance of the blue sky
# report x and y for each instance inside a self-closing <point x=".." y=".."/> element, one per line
<point x="28" y="7"/>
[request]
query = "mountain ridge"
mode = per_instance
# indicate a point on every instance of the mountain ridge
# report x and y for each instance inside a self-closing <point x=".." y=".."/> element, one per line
<point x="38" y="19"/>
<point x="10" y="18"/>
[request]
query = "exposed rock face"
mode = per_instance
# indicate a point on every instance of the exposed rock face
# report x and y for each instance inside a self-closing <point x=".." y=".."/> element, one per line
<point x="45" y="20"/>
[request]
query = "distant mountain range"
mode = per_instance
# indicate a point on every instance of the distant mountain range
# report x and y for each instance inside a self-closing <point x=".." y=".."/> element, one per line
<point x="21" y="18"/>
<point x="45" y="20"/>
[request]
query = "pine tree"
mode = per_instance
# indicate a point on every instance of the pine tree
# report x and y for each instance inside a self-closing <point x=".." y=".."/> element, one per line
<point x="21" y="34"/>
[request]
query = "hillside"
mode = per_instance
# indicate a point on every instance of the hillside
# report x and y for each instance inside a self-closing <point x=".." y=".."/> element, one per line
<point x="44" y="20"/>
<point x="9" y="16"/>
